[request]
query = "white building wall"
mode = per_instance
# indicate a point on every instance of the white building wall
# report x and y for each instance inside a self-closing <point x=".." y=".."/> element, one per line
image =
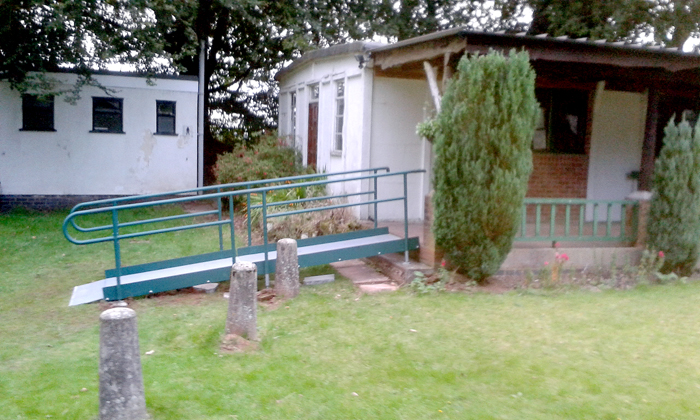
<point x="616" y="144"/>
<point x="74" y="161"/>
<point x="398" y="106"/>
<point x="325" y="73"/>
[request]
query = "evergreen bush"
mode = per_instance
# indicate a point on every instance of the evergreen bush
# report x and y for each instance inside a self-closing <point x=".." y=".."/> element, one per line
<point x="483" y="160"/>
<point x="674" y="216"/>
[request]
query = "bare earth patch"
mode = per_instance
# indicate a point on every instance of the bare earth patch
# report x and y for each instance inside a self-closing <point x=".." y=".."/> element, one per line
<point x="233" y="343"/>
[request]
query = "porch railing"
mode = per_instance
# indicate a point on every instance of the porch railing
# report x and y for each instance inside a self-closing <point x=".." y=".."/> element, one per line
<point x="550" y="219"/>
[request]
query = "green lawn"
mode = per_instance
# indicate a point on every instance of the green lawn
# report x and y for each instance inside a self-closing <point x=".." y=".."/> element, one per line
<point x="332" y="354"/>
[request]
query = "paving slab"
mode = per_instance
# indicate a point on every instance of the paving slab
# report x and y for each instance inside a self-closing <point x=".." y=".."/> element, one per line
<point x="371" y="289"/>
<point x="359" y="272"/>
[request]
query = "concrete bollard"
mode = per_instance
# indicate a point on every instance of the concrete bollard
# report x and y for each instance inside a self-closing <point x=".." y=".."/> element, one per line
<point x="121" y="381"/>
<point x="287" y="269"/>
<point x="242" y="315"/>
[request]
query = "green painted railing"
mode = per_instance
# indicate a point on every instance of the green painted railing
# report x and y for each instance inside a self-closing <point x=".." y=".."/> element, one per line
<point x="550" y="219"/>
<point x="113" y="207"/>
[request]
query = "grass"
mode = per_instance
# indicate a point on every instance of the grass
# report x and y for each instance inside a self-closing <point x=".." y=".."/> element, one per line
<point x="545" y="355"/>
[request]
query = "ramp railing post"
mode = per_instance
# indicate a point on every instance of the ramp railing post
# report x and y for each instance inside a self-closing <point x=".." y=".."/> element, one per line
<point x="232" y="228"/>
<point x="221" y="230"/>
<point x="405" y="216"/>
<point x="117" y="252"/>
<point x="250" y="226"/>
<point x="375" y="198"/>
<point x="264" y="222"/>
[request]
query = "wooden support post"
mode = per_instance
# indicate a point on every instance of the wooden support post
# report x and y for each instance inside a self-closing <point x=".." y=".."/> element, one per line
<point x="646" y="170"/>
<point x="446" y="70"/>
<point x="432" y="82"/>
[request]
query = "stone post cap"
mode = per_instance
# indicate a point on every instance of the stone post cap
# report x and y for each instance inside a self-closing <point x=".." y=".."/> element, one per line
<point x="287" y="241"/>
<point x="244" y="266"/>
<point x="640" y="196"/>
<point x="117" y="313"/>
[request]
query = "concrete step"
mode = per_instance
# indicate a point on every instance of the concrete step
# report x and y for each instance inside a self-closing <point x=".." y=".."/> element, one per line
<point x="394" y="267"/>
<point x="359" y="272"/>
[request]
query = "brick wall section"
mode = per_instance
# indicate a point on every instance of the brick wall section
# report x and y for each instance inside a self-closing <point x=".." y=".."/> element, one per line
<point x="45" y="202"/>
<point x="558" y="176"/>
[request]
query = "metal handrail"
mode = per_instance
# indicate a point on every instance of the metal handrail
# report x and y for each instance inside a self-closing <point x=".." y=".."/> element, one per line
<point x="113" y="207"/>
<point x="219" y="187"/>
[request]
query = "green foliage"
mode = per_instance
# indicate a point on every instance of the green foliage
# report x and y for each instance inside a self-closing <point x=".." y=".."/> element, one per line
<point x="422" y="284"/>
<point x="39" y="36"/>
<point x="674" y="216"/>
<point x="483" y="160"/>
<point x="269" y="158"/>
<point x="670" y="22"/>
<point x="606" y="19"/>
<point x="649" y="266"/>
<point x="427" y="129"/>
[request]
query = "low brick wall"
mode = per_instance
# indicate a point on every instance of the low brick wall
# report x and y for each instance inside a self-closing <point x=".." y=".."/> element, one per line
<point x="558" y="176"/>
<point x="46" y="202"/>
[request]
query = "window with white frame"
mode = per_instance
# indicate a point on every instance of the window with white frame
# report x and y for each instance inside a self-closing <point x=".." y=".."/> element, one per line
<point x="293" y="115"/>
<point x="339" y="115"/>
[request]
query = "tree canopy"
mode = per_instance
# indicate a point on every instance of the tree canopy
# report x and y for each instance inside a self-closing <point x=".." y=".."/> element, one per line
<point x="37" y="36"/>
<point x="670" y="22"/>
<point x="249" y="40"/>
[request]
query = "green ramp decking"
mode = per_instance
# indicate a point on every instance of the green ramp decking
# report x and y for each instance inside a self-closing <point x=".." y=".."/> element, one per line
<point x="215" y="267"/>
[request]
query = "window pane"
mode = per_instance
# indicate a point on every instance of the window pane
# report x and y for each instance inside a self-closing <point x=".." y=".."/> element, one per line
<point x="293" y="116"/>
<point x="37" y="113"/>
<point x="339" y="114"/>
<point x="568" y="128"/>
<point x="166" y="125"/>
<point x="165" y="117"/>
<point x="340" y="89"/>
<point x="166" y="108"/>
<point x="107" y="115"/>
<point x="564" y="121"/>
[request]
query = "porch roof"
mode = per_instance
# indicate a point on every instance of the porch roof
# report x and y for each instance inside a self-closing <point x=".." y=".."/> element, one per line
<point x="579" y="60"/>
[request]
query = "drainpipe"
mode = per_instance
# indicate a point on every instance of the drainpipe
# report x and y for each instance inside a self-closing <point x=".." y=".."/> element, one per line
<point x="200" y="115"/>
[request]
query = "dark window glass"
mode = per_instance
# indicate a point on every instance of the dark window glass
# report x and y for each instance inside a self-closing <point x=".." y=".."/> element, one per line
<point x="107" y="115"/>
<point x="37" y="113"/>
<point x="564" y="121"/>
<point x="165" y="117"/>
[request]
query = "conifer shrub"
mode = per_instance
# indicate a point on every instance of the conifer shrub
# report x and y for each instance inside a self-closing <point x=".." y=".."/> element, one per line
<point x="674" y="216"/>
<point x="483" y="160"/>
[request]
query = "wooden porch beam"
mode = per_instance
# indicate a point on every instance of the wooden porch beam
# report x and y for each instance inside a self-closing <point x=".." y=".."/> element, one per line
<point x="422" y="52"/>
<point x="446" y="70"/>
<point x="646" y="170"/>
<point x="432" y="82"/>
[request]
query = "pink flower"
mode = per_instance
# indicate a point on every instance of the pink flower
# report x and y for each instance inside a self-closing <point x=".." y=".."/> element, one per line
<point x="546" y="263"/>
<point x="443" y="263"/>
<point x="556" y="255"/>
<point x="556" y="245"/>
<point x="661" y="254"/>
<point x="564" y="257"/>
